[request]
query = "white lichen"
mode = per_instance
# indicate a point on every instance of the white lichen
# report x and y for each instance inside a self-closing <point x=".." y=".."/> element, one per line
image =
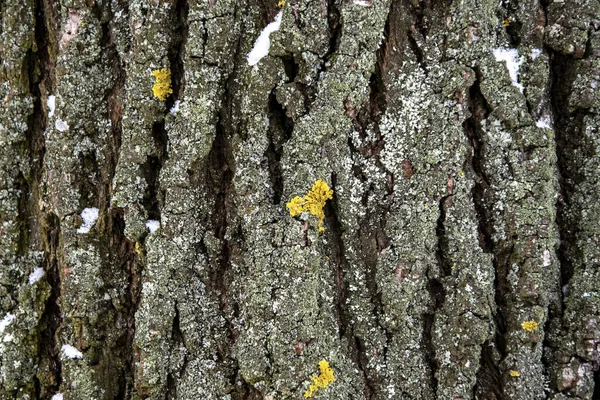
<point x="36" y="275"/>
<point x="513" y="62"/>
<point x="263" y="43"/>
<point x="70" y="352"/>
<point x="89" y="215"/>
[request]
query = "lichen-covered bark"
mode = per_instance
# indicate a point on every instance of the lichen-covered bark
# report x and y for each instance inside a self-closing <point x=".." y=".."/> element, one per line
<point x="465" y="199"/>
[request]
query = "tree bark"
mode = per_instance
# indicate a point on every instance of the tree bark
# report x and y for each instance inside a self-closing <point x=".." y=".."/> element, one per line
<point x="460" y="256"/>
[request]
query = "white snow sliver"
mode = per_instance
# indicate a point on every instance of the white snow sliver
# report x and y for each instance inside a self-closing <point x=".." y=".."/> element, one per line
<point x="36" y="275"/>
<point x="89" y="215"/>
<point x="61" y="125"/>
<point x="262" y="44"/>
<point x="57" y="396"/>
<point x="6" y="321"/>
<point x="70" y="351"/>
<point x="152" y="225"/>
<point x="513" y="63"/>
<point x="51" y="103"/>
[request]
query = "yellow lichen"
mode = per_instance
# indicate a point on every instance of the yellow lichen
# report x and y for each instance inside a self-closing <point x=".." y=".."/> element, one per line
<point x="313" y="202"/>
<point x="514" y="373"/>
<point x="321" y="381"/>
<point x="506" y="22"/>
<point x="529" y="326"/>
<point x="162" y="86"/>
<point x="281" y="3"/>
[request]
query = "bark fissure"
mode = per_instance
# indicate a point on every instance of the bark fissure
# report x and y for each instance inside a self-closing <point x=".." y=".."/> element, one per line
<point x="280" y="131"/>
<point x="51" y="320"/>
<point x="488" y="377"/>
<point x="343" y="316"/>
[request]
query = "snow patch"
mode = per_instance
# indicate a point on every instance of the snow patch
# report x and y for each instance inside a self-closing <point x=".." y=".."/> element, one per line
<point x="513" y="63"/>
<point x="61" y="125"/>
<point x="175" y="107"/>
<point x="152" y="225"/>
<point x="57" y="396"/>
<point x="262" y="44"/>
<point x="535" y="53"/>
<point x="70" y="352"/>
<point x="546" y="258"/>
<point x="363" y="3"/>
<point x="543" y="122"/>
<point x="36" y="275"/>
<point x="51" y="103"/>
<point x="6" y="321"/>
<point x="89" y="215"/>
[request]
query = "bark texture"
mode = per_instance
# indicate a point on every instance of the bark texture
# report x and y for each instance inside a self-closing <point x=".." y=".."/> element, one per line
<point x="465" y="199"/>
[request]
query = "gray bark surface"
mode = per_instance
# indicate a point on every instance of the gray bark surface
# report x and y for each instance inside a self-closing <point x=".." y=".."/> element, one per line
<point x="465" y="200"/>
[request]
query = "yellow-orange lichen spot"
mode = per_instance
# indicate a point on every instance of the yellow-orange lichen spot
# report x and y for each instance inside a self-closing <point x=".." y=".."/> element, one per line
<point x="162" y="86"/>
<point x="529" y="326"/>
<point x="313" y="202"/>
<point x="321" y="381"/>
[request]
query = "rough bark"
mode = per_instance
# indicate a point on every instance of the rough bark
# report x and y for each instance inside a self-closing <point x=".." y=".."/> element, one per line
<point x="463" y="206"/>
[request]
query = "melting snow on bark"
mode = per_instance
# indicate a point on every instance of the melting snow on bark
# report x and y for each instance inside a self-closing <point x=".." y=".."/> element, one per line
<point x="61" y="125"/>
<point x="70" y="351"/>
<point x="262" y="44"/>
<point x="6" y="321"/>
<point x="543" y="122"/>
<point x="175" y="107"/>
<point x="36" y="275"/>
<point x="513" y="63"/>
<point x="89" y="215"/>
<point x="152" y="225"/>
<point x="51" y="103"/>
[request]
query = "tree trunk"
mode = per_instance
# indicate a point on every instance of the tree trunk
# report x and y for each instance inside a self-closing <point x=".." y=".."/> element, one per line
<point x="460" y="251"/>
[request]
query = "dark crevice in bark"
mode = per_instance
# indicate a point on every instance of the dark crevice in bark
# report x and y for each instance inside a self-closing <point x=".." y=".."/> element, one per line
<point x="123" y="266"/>
<point x="219" y="176"/>
<point x="50" y="366"/>
<point x="596" y="394"/>
<point x="418" y="31"/>
<point x="488" y="376"/>
<point x="40" y="72"/>
<point x="40" y="232"/>
<point x="427" y="347"/>
<point x="291" y="67"/>
<point x="334" y="22"/>
<point x="343" y="315"/>
<point x="115" y="111"/>
<point x="569" y="141"/>
<point x="177" y="50"/>
<point x="177" y="339"/>
<point x="280" y="131"/>
<point x="442" y="249"/>
<point x="511" y="23"/>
